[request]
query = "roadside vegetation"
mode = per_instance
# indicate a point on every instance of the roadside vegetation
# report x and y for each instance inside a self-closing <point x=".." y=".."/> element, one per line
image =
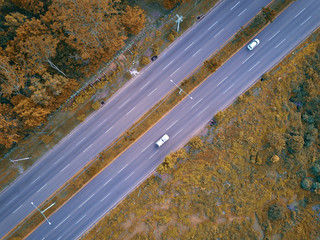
<point x="92" y="87"/>
<point x="150" y="118"/>
<point x="42" y="138"/>
<point x="253" y="175"/>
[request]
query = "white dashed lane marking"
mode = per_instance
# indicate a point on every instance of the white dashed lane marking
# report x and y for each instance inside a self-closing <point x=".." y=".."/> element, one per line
<point x="235" y="5"/>
<point x="299" y="13"/>
<point x="42" y="187"/>
<point x="241" y="13"/>
<point x="212" y="25"/>
<point x="188" y="46"/>
<point x="152" y="92"/>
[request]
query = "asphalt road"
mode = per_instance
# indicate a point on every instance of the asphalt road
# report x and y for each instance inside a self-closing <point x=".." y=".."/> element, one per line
<point x="122" y="110"/>
<point x="191" y="115"/>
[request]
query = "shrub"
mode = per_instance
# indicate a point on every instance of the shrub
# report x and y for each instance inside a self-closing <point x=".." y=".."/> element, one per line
<point x="315" y="170"/>
<point x="306" y="184"/>
<point x="170" y="37"/>
<point x="81" y="117"/>
<point x="196" y="143"/>
<point x="145" y="61"/>
<point x="275" y="212"/>
<point x="96" y="105"/>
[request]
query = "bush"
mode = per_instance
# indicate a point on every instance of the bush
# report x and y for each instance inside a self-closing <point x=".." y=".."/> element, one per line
<point x="155" y="50"/>
<point x="315" y="170"/>
<point x="196" y="143"/>
<point x="315" y="186"/>
<point x="275" y="212"/>
<point x="275" y="159"/>
<point x="219" y="116"/>
<point x="145" y="61"/>
<point x="95" y="106"/>
<point x="306" y="184"/>
<point x="170" y="37"/>
<point x="81" y="117"/>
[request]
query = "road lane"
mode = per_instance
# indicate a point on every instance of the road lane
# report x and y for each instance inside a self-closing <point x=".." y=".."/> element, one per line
<point x="91" y="137"/>
<point x="213" y="96"/>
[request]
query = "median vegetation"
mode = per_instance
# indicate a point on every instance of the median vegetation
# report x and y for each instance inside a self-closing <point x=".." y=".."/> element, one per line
<point x="149" y="119"/>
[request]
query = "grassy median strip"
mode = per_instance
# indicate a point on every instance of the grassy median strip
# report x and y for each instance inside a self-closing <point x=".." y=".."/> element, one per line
<point x="150" y="118"/>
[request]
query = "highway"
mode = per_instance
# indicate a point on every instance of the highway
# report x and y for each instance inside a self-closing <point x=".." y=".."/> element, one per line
<point x="191" y="115"/>
<point x="122" y="110"/>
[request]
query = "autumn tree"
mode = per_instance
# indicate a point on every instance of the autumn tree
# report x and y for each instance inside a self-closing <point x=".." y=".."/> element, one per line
<point x="8" y="126"/>
<point x="90" y="27"/>
<point x="133" y="19"/>
<point x="12" y="79"/>
<point x="30" y="113"/>
<point x="34" y="6"/>
<point x="169" y="4"/>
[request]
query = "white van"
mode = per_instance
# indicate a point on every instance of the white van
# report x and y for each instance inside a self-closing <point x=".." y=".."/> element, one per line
<point x="162" y="140"/>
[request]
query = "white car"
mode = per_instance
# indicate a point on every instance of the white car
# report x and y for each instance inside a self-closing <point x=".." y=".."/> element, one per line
<point x="253" y="44"/>
<point x="162" y="140"/>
